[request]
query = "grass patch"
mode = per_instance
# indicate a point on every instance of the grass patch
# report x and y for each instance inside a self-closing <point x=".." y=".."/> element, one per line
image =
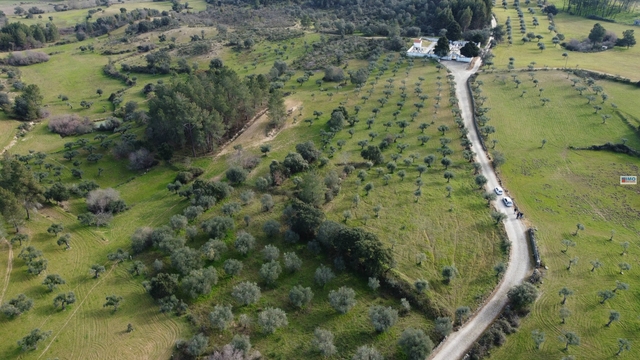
<point x="557" y="188"/>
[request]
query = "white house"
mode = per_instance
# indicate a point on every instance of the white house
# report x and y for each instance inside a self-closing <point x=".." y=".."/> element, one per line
<point x="417" y="50"/>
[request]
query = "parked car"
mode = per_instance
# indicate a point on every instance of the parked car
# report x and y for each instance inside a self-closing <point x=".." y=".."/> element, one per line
<point x="507" y="201"/>
<point x="498" y="190"/>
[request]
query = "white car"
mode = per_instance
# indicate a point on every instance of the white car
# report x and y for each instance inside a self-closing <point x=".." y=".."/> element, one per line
<point x="507" y="201"/>
<point x="498" y="190"/>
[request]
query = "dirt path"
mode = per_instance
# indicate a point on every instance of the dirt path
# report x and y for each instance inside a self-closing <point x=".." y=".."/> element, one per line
<point x="456" y="345"/>
<point x="7" y="276"/>
<point x="254" y="134"/>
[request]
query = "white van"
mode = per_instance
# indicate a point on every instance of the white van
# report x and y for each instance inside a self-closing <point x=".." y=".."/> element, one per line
<point x="507" y="201"/>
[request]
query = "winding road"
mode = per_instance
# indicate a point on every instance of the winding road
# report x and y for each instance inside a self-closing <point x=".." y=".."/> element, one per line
<point x="456" y="345"/>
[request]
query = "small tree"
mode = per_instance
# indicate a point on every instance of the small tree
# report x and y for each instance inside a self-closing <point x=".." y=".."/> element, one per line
<point x="343" y="299"/>
<point x="596" y="264"/>
<point x="538" y="338"/>
<point x="232" y="267"/>
<point x="271" y="319"/>
<point x="137" y="268"/>
<point x="498" y="216"/>
<point x="565" y="292"/>
<point x="113" y="300"/>
<point x="499" y="268"/>
<point x="623" y="344"/>
<point x="63" y="300"/>
<point x="567" y="244"/>
<point x="323" y="275"/>
<point x="522" y="296"/>
<point x="444" y="326"/>
<point x="578" y="228"/>
<point x="415" y="344"/>
<point x="16" y="306"/>
<point x="244" y="243"/>
<point x="374" y="284"/>
<point x="480" y="180"/>
<point x="606" y="295"/>
<point x="52" y="281"/>
<point x="30" y="342"/>
<point x="462" y="313"/>
<point x="382" y="318"/>
<point x="421" y="285"/>
<point x="269" y="272"/>
<point x="569" y="338"/>
<point x="220" y="317"/>
<point x="366" y="352"/>
<point x="246" y="293"/>
<point x="97" y="270"/>
<point x="323" y="342"/>
<point x="300" y="296"/>
<point x="55" y="229"/>
<point x="270" y="253"/>
<point x="449" y="273"/>
<point x="624" y="267"/>
<point x="613" y="316"/>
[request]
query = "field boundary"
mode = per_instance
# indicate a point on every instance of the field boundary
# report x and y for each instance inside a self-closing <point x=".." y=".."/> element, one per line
<point x="7" y="276"/>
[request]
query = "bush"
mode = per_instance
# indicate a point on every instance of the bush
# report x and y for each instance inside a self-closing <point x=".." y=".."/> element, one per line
<point x="300" y="296"/>
<point x="67" y="125"/>
<point x="105" y="201"/>
<point x="271" y="319"/>
<point x="292" y="262"/>
<point x="323" y="275"/>
<point x="522" y="296"/>
<point x="244" y="243"/>
<point x="333" y="73"/>
<point x="343" y="299"/>
<point x="271" y="228"/>
<point x="382" y="318"/>
<point x="246" y="293"/>
<point x="141" y="159"/>
<point x="323" y="342"/>
<point x="236" y="175"/>
<point x="220" y="317"/>
<point x="232" y="267"/>
<point x="415" y="344"/>
<point x="26" y="58"/>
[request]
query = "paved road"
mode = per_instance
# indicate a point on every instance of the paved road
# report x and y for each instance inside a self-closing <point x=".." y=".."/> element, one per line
<point x="458" y="343"/>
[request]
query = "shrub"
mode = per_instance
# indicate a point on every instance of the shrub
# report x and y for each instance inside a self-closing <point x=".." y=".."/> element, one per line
<point x="244" y="243"/>
<point x="300" y="296"/>
<point x="323" y="342"/>
<point x="67" y="125"/>
<point x="343" y="299"/>
<point x="415" y="344"/>
<point x="271" y="319"/>
<point x="232" y="267"/>
<point x="141" y="159"/>
<point x="220" y="317"/>
<point x="323" y="275"/>
<point x="236" y="175"/>
<point x="105" y="201"/>
<point x="522" y="296"/>
<point x="26" y="58"/>
<point x="333" y="73"/>
<point x="292" y="262"/>
<point x="246" y="293"/>
<point x="383" y="318"/>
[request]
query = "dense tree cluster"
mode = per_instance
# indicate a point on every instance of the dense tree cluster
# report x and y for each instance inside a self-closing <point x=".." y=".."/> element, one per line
<point x="18" y="36"/>
<point x="198" y="112"/>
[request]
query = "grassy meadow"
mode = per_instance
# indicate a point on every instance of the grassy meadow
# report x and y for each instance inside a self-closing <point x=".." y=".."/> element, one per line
<point x="617" y="61"/>
<point x="557" y="188"/>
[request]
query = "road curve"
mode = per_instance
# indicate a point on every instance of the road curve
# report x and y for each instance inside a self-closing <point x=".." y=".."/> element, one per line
<point x="456" y="345"/>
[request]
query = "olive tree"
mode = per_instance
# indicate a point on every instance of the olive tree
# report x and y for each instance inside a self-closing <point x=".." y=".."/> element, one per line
<point x="31" y="340"/>
<point x="300" y="296"/>
<point x="271" y="319"/>
<point x="244" y="243"/>
<point x="383" y="318"/>
<point x="415" y="344"/>
<point x="246" y="293"/>
<point x="63" y="300"/>
<point x="323" y="342"/>
<point x="343" y="299"/>
<point x="367" y="352"/>
<point x="292" y="262"/>
<point x="220" y="317"/>
<point x="269" y="272"/>
<point x="232" y="267"/>
<point x="323" y="275"/>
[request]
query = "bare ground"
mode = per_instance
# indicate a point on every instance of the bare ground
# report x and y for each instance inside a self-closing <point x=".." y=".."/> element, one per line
<point x="254" y="134"/>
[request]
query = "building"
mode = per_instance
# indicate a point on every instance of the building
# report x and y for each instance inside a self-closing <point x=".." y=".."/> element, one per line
<point x="418" y="50"/>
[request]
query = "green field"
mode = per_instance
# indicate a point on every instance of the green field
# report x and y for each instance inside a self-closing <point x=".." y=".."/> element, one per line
<point x="557" y="188"/>
<point x="617" y="61"/>
<point x="454" y="230"/>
